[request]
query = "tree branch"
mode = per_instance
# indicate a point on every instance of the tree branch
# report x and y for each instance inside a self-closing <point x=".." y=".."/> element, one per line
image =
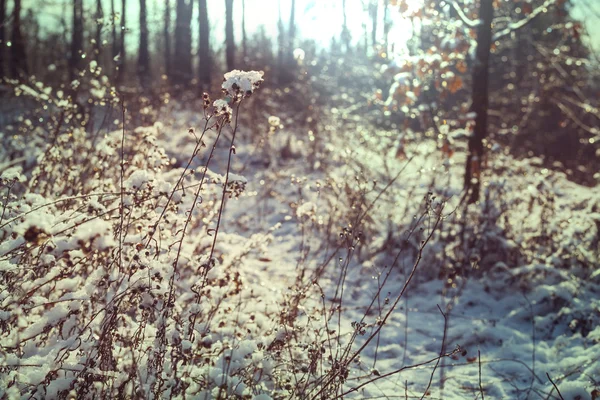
<point x="519" y="24"/>
<point x="463" y="17"/>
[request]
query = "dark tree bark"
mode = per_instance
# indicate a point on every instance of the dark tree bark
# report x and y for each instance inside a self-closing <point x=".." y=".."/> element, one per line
<point x="229" y="40"/>
<point x="18" y="59"/>
<point x="480" y="99"/>
<point x="99" y="26"/>
<point x="167" y="39"/>
<point x="144" y="55"/>
<point x="204" y="44"/>
<point x="2" y="38"/>
<point x="286" y="47"/>
<point x="75" y="63"/>
<point x="182" y="67"/>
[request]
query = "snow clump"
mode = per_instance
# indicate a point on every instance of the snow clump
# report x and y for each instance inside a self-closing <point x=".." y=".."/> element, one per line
<point x="239" y="84"/>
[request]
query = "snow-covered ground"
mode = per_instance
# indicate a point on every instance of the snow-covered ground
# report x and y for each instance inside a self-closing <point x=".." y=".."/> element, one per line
<point x="341" y="268"/>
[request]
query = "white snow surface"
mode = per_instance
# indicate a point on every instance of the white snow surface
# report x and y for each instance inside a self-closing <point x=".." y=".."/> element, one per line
<point x="528" y="306"/>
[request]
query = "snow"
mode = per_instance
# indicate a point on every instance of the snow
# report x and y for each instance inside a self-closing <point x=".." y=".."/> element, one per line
<point x="238" y="84"/>
<point x="302" y="252"/>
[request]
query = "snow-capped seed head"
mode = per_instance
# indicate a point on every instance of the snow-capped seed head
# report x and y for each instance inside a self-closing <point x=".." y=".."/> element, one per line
<point x="239" y="84"/>
<point x="222" y="108"/>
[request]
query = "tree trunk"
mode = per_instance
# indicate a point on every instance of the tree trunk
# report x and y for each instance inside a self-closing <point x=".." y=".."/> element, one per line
<point x="229" y="40"/>
<point x="204" y="44"/>
<point x="167" y="38"/>
<point x="374" y="10"/>
<point x="244" y="42"/>
<point x="280" y="44"/>
<point x="2" y="38"/>
<point x="18" y="60"/>
<point x="115" y="46"/>
<point x="480" y="100"/>
<point x="182" y="67"/>
<point x="387" y="25"/>
<point x="122" y="52"/>
<point x="144" y="55"/>
<point x="292" y="31"/>
<point x="345" y="37"/>
<point x="76" y="40"/>
<point x="99" y="26"/>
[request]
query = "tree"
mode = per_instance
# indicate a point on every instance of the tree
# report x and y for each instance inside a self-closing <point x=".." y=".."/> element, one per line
<point x="2" y="37"/>
<point x="122" y="53"/>
<point x="480" y="100"/>
<point x="292" y="30"/>
<point x="244" y="43"/>
<point x="143" y="55"/>
<point x="182" y="68"/>
<point x="229" y="40"/>
<point x="345" y="36"/>
<point x="167" y="39"/>
<point x="373" y="11"/>
<point x="204" y="44"/>
<point x="18" y="60"/>
<point x="441" y="70"/>
<point x="115" y="45"/>
<point x="76" y="40"/>
<point x="99" y="26"/>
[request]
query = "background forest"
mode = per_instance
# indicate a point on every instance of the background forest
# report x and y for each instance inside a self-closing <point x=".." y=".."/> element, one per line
<point x="299" y="199"/>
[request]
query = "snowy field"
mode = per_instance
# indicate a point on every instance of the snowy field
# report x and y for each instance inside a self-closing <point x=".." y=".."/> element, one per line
<point x="267" y="252"/>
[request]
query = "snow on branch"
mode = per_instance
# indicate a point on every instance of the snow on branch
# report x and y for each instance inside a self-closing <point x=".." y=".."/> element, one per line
<point x="463" y="17"/>
<point x="519" y="24"/>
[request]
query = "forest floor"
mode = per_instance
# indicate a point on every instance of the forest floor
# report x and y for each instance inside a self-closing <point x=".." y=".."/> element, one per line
<point x="343" y="226"/>
<point x="528" y="306"/>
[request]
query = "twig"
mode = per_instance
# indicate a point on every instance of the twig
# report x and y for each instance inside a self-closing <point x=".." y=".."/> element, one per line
<point x="555" y="387"/>
<point x="441" y="352"/>
<point x="480" y="386"/>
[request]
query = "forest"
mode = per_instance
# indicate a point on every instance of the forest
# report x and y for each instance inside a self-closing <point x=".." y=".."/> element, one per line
<point x="300" y="199"/>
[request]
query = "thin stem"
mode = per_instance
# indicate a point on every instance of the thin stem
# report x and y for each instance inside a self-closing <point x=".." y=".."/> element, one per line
<point x="231" y="152"/>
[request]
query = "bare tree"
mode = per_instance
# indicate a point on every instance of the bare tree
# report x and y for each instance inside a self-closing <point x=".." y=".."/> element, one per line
<point x="345" y="37"/>
<point x="374" y="8"/>
<point x="2" y="37"/>
<point x="122" y="52"/>
<point x="143" y="54"/>
<point x="204" y="44"/>
<point x="167" y="39"/>
<point x="182" y="68"/>
<point x="244" y="43"/>
<point x="115" y="45"/>
<point x="280" y="42"/>
<point x="292" y="32"/>
<point x="18" y="59"/>
<point x="387" y="24"/>
<point x="99" y="26"/>
<point x="229" y="40"/>
<point x="480" y="98"/>
<point x="76" y="40"/>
